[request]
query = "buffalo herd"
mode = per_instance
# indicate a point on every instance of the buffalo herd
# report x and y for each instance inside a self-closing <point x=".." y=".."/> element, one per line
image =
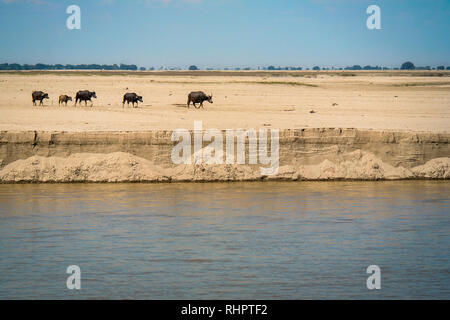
<point x="196" y="97"/>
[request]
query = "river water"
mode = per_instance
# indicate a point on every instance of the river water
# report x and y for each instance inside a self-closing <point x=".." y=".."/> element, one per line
<point x="295" y="240"/>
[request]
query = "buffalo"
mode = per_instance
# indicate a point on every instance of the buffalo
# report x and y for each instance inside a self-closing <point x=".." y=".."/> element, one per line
<point x="198" y="97"/>
<point x="63" y="99"/>
<point x="39" y="96"/>
<point x="133" y="98"/>
<point x="85" y="96"/>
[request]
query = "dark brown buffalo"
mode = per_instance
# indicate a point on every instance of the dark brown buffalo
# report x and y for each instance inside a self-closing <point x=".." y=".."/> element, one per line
<point x="39" y="96"/>
<point x="133" y="98"/>
<point x="198" y="97"/>
<point x="85" y="96"/>
<point x="63" y="99"/>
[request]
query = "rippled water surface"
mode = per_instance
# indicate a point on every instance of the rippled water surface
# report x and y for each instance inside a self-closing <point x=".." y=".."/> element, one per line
<point x="225" y="241"/>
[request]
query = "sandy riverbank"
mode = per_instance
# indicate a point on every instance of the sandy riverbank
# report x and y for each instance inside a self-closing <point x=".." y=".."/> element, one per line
<point x="354" y="125"/>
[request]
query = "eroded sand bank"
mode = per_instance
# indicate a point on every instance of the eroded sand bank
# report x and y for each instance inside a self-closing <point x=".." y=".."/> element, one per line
<point x="307" y="154"/>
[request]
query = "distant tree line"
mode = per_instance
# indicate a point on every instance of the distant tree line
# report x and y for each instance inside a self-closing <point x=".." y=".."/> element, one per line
<point x="283" y="68"/>
<point x="42" y="66"/>
<point x="405" y="66"/>
<point x="410" y="66"/>
<point x="358" y="67"/>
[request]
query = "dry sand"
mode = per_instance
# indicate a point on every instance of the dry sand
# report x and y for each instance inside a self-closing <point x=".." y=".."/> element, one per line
<point x="380" y="101"/>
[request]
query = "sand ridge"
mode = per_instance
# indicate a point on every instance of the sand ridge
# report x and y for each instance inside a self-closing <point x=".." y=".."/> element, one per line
<point x="124" y="167"/>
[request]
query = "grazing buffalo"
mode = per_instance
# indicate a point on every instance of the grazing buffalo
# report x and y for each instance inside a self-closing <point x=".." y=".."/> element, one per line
<point x="39" y="96"/>
<point x="63" y="99"/>
<point x="133" y="98"/>
<point x="85" y="96"/>
<point x="198" y="97"/>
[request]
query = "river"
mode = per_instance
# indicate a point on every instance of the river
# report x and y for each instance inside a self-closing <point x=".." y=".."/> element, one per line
<point x="293" y="240"/>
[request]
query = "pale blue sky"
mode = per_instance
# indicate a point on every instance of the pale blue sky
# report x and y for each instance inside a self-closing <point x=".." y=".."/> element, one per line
<point x="226" y="33"/>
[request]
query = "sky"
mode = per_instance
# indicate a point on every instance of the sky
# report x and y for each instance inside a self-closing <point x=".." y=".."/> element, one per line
<point x="226" y="33"/>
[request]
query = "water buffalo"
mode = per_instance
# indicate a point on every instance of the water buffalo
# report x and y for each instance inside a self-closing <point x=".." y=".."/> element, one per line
<point x="85" y="96"/>
<point x="63" y="99"/>
<point x="198" y="97"/>
<point x="39" y="96"/>
<point x="133" y="98"/>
